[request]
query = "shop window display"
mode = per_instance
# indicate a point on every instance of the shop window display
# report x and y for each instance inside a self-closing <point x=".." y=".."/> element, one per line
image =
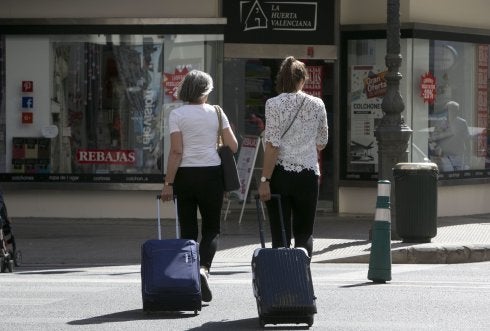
<point x="458" y="117"/>
<point x="109" y="96"/>
<point x="444" y="86"/>
<point x="98" y="105"/>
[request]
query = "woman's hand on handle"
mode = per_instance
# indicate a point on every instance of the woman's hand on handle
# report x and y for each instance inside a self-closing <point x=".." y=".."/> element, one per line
<point x="265" y="191"/>
<point x="167" y="193"/>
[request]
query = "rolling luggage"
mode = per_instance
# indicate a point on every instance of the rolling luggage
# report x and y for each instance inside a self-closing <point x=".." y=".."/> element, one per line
<point x="170" y="279"/>
<point x="282" y="281"/>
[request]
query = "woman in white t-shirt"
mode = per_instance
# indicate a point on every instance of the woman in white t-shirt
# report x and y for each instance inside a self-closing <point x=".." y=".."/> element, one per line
<point x="194" y="167"/>
<point x="295" y="131"/>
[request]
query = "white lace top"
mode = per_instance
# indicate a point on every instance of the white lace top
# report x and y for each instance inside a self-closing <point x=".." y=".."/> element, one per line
<point x="297" y="149"/>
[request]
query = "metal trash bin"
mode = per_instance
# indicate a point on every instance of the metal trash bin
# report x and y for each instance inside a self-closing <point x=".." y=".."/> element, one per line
<point x="416" y="201"/>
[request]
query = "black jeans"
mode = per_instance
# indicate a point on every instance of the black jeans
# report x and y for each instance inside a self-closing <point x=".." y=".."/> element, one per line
<point x="299" y="196"/>
<point x="200" y="187"/>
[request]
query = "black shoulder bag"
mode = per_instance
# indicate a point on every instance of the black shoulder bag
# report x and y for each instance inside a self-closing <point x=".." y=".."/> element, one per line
<point x="231" y="181"/>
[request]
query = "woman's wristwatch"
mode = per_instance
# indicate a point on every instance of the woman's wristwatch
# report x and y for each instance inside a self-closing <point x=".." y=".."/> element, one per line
<point x="168" y="184"/>
<point x="264" y="179"/>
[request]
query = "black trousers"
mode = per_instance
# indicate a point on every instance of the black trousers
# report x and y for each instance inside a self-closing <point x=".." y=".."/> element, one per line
<point x="299" y="196"/>
<point x="200" y="187"/>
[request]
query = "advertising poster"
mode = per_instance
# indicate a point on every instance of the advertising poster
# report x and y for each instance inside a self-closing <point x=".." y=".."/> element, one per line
<point x="482" y="100"/>
<point x="314" y="84"/>
<point x="246" y="164"/>
<point x="368" y="86"/>
<point x="139" y="68"/>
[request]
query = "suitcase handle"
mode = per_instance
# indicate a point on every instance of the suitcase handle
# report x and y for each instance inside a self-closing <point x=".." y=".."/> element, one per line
<point x="177" y="224"/>
<point x="260" y="221"/>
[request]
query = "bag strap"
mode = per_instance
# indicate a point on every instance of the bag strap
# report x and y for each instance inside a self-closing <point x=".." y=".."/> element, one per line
<point x="219" y="138"/>
<point x="301" y="106"/>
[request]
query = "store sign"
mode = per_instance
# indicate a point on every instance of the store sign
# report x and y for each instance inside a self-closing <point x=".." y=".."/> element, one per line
<point x="314" y="84"/>
<point x="27" y="86"/>
<point x="482" y="99"/>
<point x="27" y="102"/>
<point x="375" y="85"/>
<point x="50" y="131"/>
<point x="81" y="178"/>
<point x="105" y="156"/>
<point x="280" y="22"/>
<point x="368" y="86"/>
<point x="428" y="87"/>
<point x="171" y="81"/>
<point x="27" y="118"/>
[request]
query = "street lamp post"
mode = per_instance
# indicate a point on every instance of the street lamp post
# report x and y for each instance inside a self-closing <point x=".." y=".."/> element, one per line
<point x="392" y="134"/>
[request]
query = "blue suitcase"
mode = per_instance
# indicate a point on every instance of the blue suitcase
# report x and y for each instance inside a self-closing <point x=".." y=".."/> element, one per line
<point x="170" y="279"/>
<point x="282" y="282"/>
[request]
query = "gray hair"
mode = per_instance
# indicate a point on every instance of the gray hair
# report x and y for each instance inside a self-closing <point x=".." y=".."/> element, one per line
<point x="195" y="85"/>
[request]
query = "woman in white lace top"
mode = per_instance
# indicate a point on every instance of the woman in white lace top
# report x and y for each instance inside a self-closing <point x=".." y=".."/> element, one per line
<point x="295" y="131"/>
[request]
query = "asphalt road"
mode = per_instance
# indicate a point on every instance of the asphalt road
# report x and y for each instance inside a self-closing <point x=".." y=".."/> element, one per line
<point x="419" y="297"/>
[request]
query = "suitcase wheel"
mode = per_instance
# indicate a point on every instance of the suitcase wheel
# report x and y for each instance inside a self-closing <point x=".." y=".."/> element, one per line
<point x="310" y="321"/>
<point x="6" y="265"/>
<point x="18" y="258"/>
<point x="10" y="265"/>
<point x="261" y="322"/>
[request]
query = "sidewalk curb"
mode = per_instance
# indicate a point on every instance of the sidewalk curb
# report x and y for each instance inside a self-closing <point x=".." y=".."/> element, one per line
<point x="434" y="254"/>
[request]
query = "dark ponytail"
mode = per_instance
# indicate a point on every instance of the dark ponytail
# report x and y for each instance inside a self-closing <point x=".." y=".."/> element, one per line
<point x="290" y="74"/>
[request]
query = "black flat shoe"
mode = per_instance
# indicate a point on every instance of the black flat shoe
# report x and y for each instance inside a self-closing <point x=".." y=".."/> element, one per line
<point x="206" y="294"/>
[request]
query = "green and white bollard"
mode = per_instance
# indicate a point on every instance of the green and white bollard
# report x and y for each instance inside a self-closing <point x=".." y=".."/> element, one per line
<point x="380" y="257"/>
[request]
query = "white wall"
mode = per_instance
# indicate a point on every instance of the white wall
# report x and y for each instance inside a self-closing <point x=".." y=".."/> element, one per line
<point x="108" y="8"/>
<point x="23" y="55"/>
<point x="451" y="200"/>
<point x="369" y="11"/>
<point x="463" y="200"/>
<point x="357" y="200"/>
<point x="85" y="204"/>
<point x="468" y="13"/>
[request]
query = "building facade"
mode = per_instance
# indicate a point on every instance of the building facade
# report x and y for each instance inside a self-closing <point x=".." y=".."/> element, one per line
<point x="85" y="94"/>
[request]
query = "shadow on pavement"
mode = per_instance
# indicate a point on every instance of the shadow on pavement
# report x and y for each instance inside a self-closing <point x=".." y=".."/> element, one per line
<point x="245" y="324"/>
<point x="43" y="271"/>
<point x="131" y="315"/>
<point x="333" y="247"/>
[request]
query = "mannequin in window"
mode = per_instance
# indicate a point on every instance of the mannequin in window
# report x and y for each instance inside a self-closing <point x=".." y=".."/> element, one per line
<point x="451" y="142"/>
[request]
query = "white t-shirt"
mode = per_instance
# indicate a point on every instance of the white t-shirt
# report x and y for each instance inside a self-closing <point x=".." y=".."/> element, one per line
<point x="199" y="127"/>
<point x="297" y="149"/>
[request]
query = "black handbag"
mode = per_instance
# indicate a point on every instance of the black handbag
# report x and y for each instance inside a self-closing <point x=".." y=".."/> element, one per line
<point x="231" y="180"/>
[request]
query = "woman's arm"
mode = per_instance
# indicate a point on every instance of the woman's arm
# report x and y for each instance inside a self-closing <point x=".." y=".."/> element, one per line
<point x="229" y="139"/>
<point x="270" y="158"/>
<point x="174" y="159"/>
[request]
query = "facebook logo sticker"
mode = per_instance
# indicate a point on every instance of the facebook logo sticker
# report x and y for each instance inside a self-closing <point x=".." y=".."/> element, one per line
<point x="27" y="102"/>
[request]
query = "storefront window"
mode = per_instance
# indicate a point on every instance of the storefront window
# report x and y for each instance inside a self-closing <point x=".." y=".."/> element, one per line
<point x="94" y="107"/>
<point x="458" y="117"/>
<point x="444" y="87"/>
<point x="366" y="89"/>
<point x="247" y="85"/>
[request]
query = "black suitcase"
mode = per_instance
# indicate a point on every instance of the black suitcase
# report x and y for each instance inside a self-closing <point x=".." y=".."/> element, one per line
<point x="170" y="279"/>
<point x="282" y="281"/>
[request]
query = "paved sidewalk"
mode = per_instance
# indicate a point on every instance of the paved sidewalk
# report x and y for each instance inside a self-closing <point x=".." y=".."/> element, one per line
<point x="345" y="238"/>
<point x="338" y="239"/>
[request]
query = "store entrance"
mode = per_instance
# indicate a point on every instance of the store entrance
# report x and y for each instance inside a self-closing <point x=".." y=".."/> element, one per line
<point x="248" y="83"/>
